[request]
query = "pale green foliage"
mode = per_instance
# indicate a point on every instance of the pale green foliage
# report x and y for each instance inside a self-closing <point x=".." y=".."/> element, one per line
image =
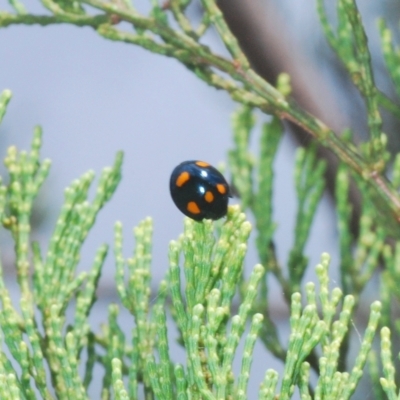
<point x="42" y="357"/>
<point x="212" y="262"/>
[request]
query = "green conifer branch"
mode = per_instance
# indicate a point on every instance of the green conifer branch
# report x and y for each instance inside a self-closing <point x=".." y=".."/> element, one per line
<point x="206" y="262"/>
<point x="358" y="263"/>
<point x="351" y="45"/>
<point x="118" y="384"/>
<point x="243" y="84"/>
<point x="90" y="362"/>
<point x="26" y="178"/>
<point x="60" y="351"/>
<point x="364" y="76"/>
<point x="391" y="54"/>
<point x="375" y="374"/>
<point x="310" y="185"/>
<point x="5" y="97"/>
<point x="388" y="381"/>
<point x="85" y="299"/>
<point x="263" y="210"/>
<point x="268" y="386"/>
<point x="7" y="19"/>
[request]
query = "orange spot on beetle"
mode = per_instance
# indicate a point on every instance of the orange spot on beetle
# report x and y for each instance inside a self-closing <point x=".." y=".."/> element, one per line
<point x="221" y="188"/>
<point x="202" y="164"/>
<point x="182" y="179"/>
<point x="193" y="208"/>
<point x="209" y="197"/>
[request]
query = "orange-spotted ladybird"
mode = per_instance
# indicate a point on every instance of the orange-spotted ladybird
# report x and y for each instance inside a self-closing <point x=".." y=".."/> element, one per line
<point x="199" y="190"/>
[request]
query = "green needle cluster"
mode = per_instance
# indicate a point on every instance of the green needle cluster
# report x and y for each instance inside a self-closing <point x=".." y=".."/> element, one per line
<point x="205" y="276"/>
<point x="219" y="308"/>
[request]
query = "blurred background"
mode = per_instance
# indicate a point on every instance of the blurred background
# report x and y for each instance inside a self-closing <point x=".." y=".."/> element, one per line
<point x="94" y="97"/>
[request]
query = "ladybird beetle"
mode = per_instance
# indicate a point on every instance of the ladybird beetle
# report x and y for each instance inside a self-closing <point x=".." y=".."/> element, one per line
<point x="199" y="190"/>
